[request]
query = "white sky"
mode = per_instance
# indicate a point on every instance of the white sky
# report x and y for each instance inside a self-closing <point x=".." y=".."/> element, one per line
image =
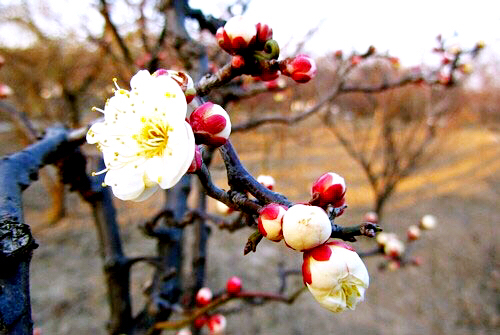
<point x="407" y="29"/>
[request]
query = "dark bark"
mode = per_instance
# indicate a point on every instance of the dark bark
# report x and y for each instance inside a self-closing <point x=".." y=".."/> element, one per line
<point x="16" y="241"/>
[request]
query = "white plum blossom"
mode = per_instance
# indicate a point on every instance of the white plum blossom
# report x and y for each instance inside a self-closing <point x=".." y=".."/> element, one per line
<point x="306" y="227"/>
<point x="144" y="138"/>
<point x="335" y="275"/>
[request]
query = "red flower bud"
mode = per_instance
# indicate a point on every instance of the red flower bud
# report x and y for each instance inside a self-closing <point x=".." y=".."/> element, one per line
<point x="237" y="62"/>
<point x="237" y="35"/>
<point x="356" y="59"/>
<point x="211" y="124"/>
<point x="301" y="68"/>
<point x="330" y="188"/>
<point x="204" y="296"/>
<point x="264" y="33"/>
<point x="234" y="285"/>
<point x="271" y="221"/>
<point x="197" y="161"/>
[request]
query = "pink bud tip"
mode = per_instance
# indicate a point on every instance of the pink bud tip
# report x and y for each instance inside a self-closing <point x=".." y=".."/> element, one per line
<point x="234" y="285"/>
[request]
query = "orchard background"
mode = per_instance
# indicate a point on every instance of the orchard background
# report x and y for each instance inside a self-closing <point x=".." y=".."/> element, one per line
<point x="455" y="288"/>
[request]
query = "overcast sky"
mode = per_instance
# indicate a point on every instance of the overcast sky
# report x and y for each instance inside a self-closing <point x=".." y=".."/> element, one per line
<point x="407" y="29"/>
<point x="404" y="28"/>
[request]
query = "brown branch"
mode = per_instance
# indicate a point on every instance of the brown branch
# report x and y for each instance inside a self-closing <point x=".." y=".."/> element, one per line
<point x="225" y="298"/>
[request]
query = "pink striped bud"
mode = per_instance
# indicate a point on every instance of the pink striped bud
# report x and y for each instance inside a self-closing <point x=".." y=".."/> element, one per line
<point x="271" y="221"/>
<point x="335" y="275"/>
<point x="306" y="227"/>
<point x="330" y="188"/>
<point x="211" y="124"/>
<point x="217" y="324"/>
<point x="203" y="296"/>
<point x="264" y="33"/>
<point x="301" y="68"/>
<point x="237" y="35"/>
<point x="267" y="181"/>
<point x="197" y="162"/>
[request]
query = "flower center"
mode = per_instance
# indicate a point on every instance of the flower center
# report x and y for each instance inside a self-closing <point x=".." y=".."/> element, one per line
<point x="153" y="137"/>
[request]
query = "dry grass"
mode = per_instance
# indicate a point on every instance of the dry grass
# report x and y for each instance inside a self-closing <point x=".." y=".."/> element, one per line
<point x="455" y="291"/>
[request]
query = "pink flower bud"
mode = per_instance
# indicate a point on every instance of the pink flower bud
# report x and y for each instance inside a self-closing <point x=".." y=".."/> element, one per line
<point x="210" y="124"/>
<point x="237" y="35"/>
<point x="237" y="62"/>
<point x="234" y="285"/>
<point x="5" y="91"/>
<point x="185" y="82"/>
<point x="267" y="181"/>
<point x="217" y="324"/>
<point x="301" y="68"/>
<point x="204" y="296"/>
<point x="356" y="59"/>
<point x="197" y="161"/>
<point x="428" y="222"/>
<point x="330" y="188"/>
<point x="264" y="33"/>
<point x="394" y="248"/>
<point x="306" y="227"/>
<point x="370" y="217"/>
<point x="413" y="233"/>
<point x="271" y="220"/>
<point x="335" y="275"/>
<point x="275" y="84"/>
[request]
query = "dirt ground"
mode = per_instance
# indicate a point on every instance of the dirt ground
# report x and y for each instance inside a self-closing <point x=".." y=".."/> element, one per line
<point x="455" y="291"/>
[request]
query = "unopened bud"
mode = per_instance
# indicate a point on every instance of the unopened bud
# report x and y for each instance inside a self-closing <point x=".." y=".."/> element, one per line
<point x="5" y="91"/>
<point x="203" y="296"/>
<point x="356" y="59"/>
<point x="197" y="161"/>
<point x="428" y="222"/>
<point x="185" y="82"/>
<point x="264" y="33"/>
<point x="211" y="124"/>
<point x="267" y="181"/>
<point x="301" y="68"/>
<point x="330" y="188"/>
<point x="237" y="62"/>
<point x="413" y="233"/>
<point x="270" y="222"/>
<point x="217" y="324"/>
<point x="234" y="285"/>
<point x="306" y="227"/>
<point x="237" y="35"/>
<point x="394" y="248"/>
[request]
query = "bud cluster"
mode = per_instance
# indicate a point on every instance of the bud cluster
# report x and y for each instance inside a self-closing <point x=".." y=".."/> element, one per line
<point x="252" y="44"/>
<point x="216" y="323"/>
<point x="332" y="271"/>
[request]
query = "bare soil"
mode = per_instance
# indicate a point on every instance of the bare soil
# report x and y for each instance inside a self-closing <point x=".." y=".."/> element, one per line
<point x="455" y="291"/>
